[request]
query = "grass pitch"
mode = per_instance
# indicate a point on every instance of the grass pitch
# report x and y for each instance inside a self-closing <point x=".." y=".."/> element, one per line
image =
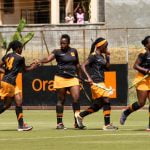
<point x="44" y="136"/>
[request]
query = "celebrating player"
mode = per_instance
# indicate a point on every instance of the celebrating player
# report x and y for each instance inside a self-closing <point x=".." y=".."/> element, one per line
<point x="142" y="65"/>
<point x="97" y="63"/>
<point x="12" y="64"/>
<point x="67" y="62"/>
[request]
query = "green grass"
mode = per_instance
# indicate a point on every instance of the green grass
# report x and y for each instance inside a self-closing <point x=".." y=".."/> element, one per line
<point x="44" y="136"/>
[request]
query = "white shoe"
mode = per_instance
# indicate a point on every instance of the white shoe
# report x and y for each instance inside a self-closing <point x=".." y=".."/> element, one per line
<point x="25" y="127"/>
<point x="110" y="127"/>
<point x="79" y="121"/>
<point x="148" y="129"/>
<point x="61" y="126"/>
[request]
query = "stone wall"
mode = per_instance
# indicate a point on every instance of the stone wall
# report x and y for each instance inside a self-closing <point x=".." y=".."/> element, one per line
<point x="127" y="13"/>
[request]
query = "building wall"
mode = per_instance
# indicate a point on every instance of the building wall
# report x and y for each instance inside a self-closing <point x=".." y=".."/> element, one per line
<point x="118" y="13"/>
<point x="18" y="5"/>
<point x="9" y="18"/>
<point x="127" y="13"/>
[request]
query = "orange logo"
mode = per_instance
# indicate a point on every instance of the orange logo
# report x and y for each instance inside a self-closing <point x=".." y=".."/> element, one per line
<point x="42" y="85"/>
<point x="72" y="54"/>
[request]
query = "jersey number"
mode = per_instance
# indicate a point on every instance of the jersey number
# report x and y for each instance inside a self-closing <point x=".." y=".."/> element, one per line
<point x="9" y="63"/>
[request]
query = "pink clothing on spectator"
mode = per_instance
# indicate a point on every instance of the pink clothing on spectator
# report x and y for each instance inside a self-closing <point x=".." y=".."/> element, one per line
<point x="80" y="18"/>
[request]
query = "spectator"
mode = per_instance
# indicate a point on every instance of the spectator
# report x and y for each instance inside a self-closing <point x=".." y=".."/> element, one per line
<point x="69" y="18"/>
<point x="80" y="13"/>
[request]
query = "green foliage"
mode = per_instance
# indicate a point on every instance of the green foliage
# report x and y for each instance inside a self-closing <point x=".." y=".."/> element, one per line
<point x="3" y="42"/>
<point x="24" y="39"/>
<point x="22" y="24"/>
<point x="16" y="36"/>
<point x="27" y="38"/>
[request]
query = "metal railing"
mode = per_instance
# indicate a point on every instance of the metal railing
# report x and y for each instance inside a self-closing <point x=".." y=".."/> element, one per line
<point x="124" y="44"/>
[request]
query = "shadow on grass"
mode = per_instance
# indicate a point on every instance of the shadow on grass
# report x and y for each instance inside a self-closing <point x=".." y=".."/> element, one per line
<point x="8" y="130"/>
<point x="75" y="129"/>
<point x="100" y="129"/>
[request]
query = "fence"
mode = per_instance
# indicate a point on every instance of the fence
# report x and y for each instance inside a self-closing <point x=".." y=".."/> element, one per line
<point x="124" y="44"/>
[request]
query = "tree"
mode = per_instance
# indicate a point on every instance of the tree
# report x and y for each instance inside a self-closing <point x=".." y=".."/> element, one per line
<point x="17" y="36"/>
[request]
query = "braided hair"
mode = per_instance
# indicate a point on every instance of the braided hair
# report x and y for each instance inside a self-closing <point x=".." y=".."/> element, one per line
<point x="14" y="45"/>
<point x="145" y="41"/>
<point x="100" y="39"/>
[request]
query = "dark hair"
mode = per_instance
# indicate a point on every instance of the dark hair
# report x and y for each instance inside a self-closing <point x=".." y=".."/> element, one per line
<point x="66" y="36"/>
<point x="94" y="44"/>
<point x="14" y="45"/>
<point x="145" y="41"/>
<point x="81" y="9"/>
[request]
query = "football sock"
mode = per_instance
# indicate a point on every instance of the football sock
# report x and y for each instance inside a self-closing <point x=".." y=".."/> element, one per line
<point x="106" y="112"/>
<point x="95" y="106"/>
<point x="131" y="108"/>
<point x="59" y="112"/>
<point x="2" y="107"/>
<point x="76" y="108"/>
<point x="19" y="114"/>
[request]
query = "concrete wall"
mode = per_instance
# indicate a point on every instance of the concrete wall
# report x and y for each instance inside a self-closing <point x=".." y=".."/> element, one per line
<point x="127" y="13"/>
<point x="121" y="41"/>
<point x="118" y="13"/>
<point x="12" y="18"/>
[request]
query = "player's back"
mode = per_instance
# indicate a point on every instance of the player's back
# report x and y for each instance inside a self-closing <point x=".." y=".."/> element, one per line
<point x="13" y="64"/>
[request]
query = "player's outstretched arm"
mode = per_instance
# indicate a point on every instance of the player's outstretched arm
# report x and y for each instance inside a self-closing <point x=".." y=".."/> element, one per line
<point x="47" y="59"/>
<point x="31" y="67"/>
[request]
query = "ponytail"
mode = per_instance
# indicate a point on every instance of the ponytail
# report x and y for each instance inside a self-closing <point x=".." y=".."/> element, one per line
<point x="145" y="41"/>
<point x="98" y="40"/>
<point x="14" y="45"/>
<point x="8" y="49"/>
<point x="92" y="47"/>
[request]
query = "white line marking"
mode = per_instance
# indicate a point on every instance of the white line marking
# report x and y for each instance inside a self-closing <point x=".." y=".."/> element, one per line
<point x="111" y="142"/>
<point x="75" y="136"/>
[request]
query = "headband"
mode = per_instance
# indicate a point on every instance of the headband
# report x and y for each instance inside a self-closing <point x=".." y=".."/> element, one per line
<point x="100" y="43"/>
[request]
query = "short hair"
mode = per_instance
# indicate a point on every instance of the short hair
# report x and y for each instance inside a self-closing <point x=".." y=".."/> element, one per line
<point x="66" y="36"/>
<point x="145" y="41"/>
<point x="14" y="45"/>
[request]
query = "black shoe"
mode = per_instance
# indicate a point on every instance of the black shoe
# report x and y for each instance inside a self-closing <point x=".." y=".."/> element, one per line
<point x="77" y="127"/>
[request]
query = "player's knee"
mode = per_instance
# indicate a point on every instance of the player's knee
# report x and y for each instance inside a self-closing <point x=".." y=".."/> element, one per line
<point x="76" y="100"/>
<point x="106" y="100"/>
<point x="19" y="103"/>
<point x="2" y="109"/>
<point x="60" y="102"/>
<point x="75" y="97"/>
<point x="7" y="106"/>
<point x="141" y="104"/>
<point x="95" y="107"/>
<point x="106" y="106"/>
<point x="60" y="97"/>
